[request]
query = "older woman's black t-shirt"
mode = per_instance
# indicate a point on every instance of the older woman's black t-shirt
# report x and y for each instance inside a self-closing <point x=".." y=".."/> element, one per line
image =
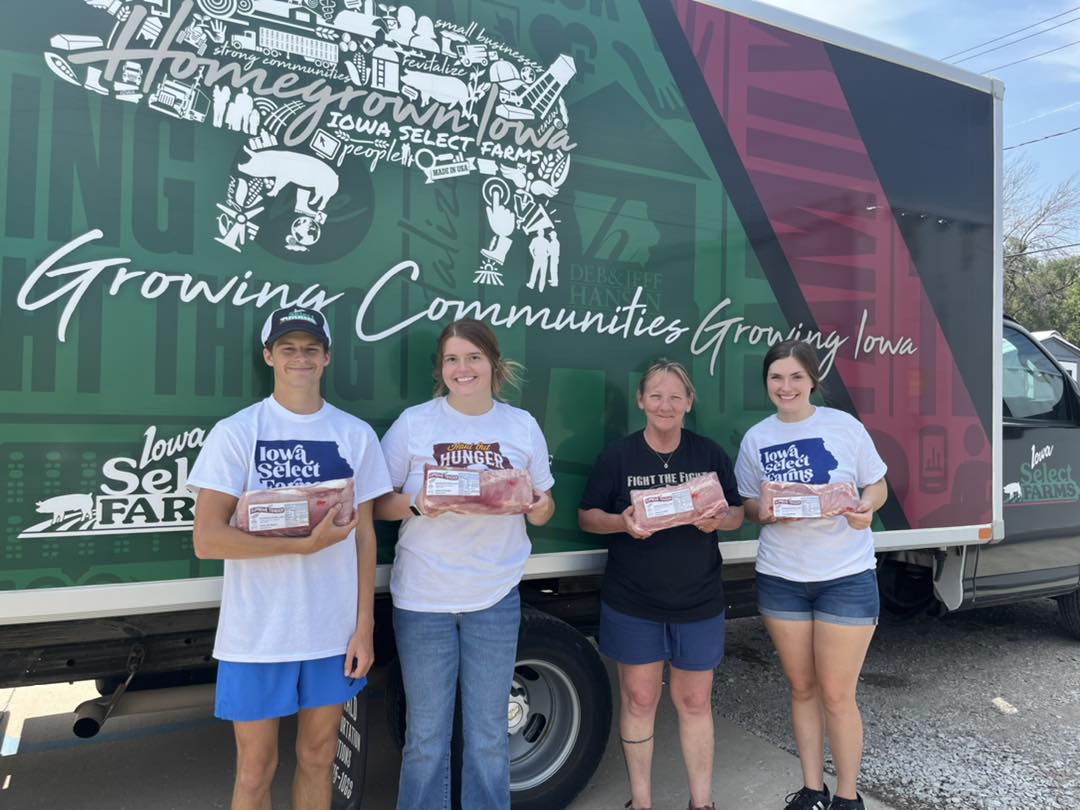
<point x="674" y="576"/>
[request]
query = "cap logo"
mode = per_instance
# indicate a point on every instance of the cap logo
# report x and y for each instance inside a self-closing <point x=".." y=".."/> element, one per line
<point x="298" y="315"/>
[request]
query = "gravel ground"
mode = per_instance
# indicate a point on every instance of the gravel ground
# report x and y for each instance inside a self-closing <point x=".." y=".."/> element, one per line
<point x="934" y="738"/>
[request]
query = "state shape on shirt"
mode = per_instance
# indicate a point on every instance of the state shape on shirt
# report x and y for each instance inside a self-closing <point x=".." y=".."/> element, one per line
<point x="294" y="462"/>
<point x="803" y="461"/>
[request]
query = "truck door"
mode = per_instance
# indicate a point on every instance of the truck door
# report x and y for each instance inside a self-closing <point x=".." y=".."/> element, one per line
<point x="1040" y="475"/>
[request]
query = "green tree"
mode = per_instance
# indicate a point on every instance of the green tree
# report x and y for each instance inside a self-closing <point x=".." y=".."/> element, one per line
<point x="1040" y="226"/>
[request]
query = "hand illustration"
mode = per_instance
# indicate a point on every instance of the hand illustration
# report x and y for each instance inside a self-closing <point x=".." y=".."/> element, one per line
<point x="216" y="31"/>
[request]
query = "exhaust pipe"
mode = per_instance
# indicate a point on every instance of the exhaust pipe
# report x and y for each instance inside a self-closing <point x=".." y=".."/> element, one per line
<point x="90" y="715"/>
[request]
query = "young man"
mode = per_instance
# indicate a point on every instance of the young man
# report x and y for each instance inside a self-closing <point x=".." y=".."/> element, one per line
<point x="295" y="631"/>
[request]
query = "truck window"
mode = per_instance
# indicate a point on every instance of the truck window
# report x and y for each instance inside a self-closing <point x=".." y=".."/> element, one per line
<point x="1032" y="387"/>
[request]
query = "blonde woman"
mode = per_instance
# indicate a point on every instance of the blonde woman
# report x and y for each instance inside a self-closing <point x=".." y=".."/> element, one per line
<point x="662" y="598"/>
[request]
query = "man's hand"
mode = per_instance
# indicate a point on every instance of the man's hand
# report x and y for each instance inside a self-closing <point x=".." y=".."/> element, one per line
<point x="360" y="654"/>
<point x="631" y="529"/>
<point x="327" y="533"/>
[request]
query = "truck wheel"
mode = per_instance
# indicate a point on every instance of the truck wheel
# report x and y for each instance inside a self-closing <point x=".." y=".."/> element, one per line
<point x="559" y="713"/>
<point x="1069" y="606"/>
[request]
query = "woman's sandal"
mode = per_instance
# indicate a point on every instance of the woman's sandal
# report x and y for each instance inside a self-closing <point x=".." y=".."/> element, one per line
<point x="630" y="806"/>
<point x="709" y="806"/>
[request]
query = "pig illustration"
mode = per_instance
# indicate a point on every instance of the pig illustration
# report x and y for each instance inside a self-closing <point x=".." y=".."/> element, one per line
<point x="1013" y="491"/>
<point x="63" y="504"/>
<point x="283" y="167"/>
<point x="444" y="89"/>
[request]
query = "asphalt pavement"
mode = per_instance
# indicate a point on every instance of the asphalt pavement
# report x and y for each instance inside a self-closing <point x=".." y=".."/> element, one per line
<point x="184" y="760"/>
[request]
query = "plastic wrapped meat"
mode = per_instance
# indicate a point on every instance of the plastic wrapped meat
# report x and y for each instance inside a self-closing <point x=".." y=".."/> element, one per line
<point x="476" y="492"/>
<point x="697" y="499"/>
<point x="294" y="511"/>
<point x="791" y="500"/>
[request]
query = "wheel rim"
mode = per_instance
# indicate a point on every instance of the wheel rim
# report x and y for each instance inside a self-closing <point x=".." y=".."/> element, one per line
<point x="545" y="742"/>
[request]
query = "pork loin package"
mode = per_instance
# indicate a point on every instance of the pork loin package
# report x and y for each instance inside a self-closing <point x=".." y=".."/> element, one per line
<point x="294" y="511"/>
<point x="699" y="498"/>
<point x="476" y="492"/>
<point x="791" y="500"/>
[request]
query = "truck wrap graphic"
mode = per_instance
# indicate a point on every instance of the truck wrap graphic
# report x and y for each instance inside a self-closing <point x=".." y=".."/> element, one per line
<point x="603" y="183"/>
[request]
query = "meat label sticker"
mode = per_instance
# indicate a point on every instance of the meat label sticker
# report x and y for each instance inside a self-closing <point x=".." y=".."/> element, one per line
<point x="268" y="517"/>
<point x="669" y="503"/>
<point x="797" y="506"/>
<point x="464" y="484"/>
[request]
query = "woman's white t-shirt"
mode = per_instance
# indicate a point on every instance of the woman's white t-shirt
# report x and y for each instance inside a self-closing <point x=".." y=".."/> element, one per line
<point x="289" y="607"/>
<point x="460" y="563"/>
<point x="829" y="446"/>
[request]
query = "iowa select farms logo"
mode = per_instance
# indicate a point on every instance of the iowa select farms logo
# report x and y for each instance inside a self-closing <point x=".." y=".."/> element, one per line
<point x="311" y="86"/>
<point x="141" y="494"/>
<point x="1042" y="481"/>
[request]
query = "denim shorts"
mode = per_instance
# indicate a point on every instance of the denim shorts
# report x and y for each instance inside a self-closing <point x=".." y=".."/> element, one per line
<point x="247" y="692"/>
<point x="691" y="646"/>
<point x="846" y="600"/>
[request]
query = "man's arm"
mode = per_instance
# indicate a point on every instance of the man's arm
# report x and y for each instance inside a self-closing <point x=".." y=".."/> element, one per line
<point x="215" y="539"/>
<point x="361" y="652"/>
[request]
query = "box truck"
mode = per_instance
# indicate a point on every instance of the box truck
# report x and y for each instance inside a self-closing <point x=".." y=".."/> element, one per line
<point x="625" y="179"/>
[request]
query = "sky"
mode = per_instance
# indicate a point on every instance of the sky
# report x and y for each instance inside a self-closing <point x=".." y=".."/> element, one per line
<point x="1042" y="95"/>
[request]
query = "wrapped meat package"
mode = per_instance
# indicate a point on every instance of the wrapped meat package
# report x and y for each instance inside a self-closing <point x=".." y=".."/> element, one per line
<point x="697" y="499"/>
<point x="791" y="500"/>
<point x="294" y="511"/>
<point x="476" y="492"/>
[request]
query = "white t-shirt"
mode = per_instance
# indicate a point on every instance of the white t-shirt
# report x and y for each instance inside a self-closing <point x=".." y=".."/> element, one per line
<point x="460" y="563"/>
<point x="829" y="446"/>
<point x="289" y="607"/>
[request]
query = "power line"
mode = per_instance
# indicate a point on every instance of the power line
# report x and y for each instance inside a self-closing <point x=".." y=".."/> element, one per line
<point x="1033" y="56"/>
<point x="1015" y="41"/>
<point x="1040" y="250"/>
<point x="1043" y="138"/>
<point x="1017" y="31"/>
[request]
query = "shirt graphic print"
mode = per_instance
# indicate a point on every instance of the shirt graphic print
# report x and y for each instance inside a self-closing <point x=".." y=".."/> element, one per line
<point x="470" y="454"/>
<point x="296" y="462"/>
<point x="803" y="461"/>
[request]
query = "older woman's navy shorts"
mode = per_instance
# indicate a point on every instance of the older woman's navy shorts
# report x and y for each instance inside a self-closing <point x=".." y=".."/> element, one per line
<point x="691" y="646"/>
<point x="849" y="600"/>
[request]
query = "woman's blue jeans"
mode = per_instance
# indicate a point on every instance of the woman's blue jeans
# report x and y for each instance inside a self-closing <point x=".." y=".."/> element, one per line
<point x="437" y="651"/>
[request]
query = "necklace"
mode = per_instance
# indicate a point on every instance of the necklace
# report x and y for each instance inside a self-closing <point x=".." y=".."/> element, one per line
<point x="663" y="460"/>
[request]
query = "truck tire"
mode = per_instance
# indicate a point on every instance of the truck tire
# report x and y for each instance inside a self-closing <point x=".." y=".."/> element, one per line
<point x="563" y="685"/>
<point x="1069" y="606"/>
<point x="563" y="698"/>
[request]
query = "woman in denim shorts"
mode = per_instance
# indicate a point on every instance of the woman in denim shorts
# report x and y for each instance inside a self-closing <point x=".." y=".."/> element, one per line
<point x="816" y="583"/>
<point x="662" y="600"/>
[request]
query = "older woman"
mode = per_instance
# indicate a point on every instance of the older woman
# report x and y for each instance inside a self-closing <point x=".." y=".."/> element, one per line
<point x="662" y="598"/>
<point x="455" y="577"/>
<point x="817" y="590"/>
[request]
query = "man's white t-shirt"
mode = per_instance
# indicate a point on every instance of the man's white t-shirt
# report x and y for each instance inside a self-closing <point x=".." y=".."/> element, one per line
<point x="829" y="446"/>
<point x="289" y="607"/>
<point x="460" y="563"/>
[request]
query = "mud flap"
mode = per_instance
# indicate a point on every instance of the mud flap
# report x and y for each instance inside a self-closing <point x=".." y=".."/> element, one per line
<point x="350" y="760"/>
<point x="949" y="577"/>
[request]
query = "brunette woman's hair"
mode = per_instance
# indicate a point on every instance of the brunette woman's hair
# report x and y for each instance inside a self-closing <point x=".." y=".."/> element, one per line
<point x="503" y="372"/>
<point x="803" y="353"/>
<point x="663" y="365"/>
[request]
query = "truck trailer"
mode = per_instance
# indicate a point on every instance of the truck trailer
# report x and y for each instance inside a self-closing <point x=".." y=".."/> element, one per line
<point x="626" y="179"/>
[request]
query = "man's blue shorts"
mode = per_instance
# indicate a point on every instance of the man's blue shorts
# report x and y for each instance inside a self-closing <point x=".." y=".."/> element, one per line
<point x="850" y="600"/>
<point x="247" y="692"/>
<point x="691" y="646"/>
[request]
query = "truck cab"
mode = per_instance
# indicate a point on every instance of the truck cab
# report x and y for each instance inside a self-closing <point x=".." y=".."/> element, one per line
<point x="1040" y="552"/>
